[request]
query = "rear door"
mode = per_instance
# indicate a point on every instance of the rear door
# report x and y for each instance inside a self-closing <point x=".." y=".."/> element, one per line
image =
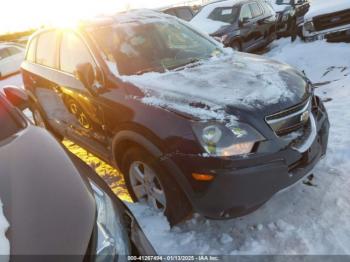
<point x="247" y="27"/>
<point x="260" y="27"/>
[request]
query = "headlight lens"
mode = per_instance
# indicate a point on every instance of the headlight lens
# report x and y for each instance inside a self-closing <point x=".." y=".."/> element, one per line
<point x="219" y="140"/>
<point x="112" y="237"/>
<point x="309" y="26"/>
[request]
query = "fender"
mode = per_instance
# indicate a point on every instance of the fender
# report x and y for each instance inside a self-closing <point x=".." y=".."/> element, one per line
<point x="127" y="135"/>
<point x="171" y="167"/>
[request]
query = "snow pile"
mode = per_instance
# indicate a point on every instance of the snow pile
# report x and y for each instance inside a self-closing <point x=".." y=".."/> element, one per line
<point x="4" y="243"/>
<point x="321" y="7"/>
<point x="215" y="84"/>
<point x="203" y="23"/>
<point x="303" y="219"/>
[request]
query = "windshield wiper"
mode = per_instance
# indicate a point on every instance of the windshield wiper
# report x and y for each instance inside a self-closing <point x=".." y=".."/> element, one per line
<point x="191" y="62"/>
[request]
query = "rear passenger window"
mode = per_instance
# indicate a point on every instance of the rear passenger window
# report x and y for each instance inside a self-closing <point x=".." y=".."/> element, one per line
<point x="245" y="13"/>
<point x="256" y="10"/>
<point x="31" y="51"/>
<point x="46" y="49"/>
<point x="73" y="53"/>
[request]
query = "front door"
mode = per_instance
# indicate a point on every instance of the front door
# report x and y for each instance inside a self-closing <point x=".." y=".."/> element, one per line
<point x="87" y="126"/>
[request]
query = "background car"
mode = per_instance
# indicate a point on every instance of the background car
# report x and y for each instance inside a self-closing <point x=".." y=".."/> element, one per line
<point x="245" y="25"/>
<point x="55" y="203"/>
<point x="11" y="57"/>
<point x="290" y="16"/>
<point x="327" y="20"/>
<point x="183" y="12"/>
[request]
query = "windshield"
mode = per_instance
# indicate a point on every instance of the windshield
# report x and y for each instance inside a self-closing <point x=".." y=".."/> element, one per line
<point x="159" y="46"/>
<point x="284" y="2"/>
<point x="8" y="125"/>
<point x="224" y="14"/>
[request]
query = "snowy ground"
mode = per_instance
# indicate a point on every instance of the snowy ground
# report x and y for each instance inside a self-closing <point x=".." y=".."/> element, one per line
<point x="302" y="220"/>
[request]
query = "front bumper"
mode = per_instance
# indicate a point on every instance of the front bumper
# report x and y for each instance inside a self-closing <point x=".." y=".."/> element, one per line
<point x="334" y="34"/>
<point x="242" y="185"/>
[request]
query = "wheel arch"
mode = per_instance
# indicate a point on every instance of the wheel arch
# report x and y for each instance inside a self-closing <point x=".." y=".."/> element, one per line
<point x="128" y="138"/>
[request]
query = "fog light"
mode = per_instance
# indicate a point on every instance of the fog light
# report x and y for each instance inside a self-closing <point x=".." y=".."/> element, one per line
<point x="202" y="177"/>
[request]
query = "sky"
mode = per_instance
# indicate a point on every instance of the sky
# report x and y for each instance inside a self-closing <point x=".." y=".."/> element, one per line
<point x="17" y="15"/>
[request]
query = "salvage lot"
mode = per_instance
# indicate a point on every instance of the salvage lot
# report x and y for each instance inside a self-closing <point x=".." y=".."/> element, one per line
<point x="302" y="220"/>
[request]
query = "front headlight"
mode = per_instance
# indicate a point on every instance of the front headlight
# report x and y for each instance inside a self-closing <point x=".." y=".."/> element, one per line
<point x="112" y="239"/>
<point x="309" y="26"/>
<point x="219" y="140"/>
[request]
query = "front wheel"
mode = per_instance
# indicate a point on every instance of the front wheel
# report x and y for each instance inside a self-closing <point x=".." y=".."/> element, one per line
<point x="148" y="182"/>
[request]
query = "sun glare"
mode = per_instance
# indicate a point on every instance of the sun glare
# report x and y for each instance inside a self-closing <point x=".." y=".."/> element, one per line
<point x="24" y="14"/>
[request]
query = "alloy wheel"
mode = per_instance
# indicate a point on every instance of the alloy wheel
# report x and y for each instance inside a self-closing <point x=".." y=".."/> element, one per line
<point x="146" y="186"/>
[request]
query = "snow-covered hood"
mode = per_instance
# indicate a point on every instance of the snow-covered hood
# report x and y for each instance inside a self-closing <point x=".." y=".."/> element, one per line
<point x="4" y="243"/>
<point x="322" y="7"/>
<point x="208" y="90"/>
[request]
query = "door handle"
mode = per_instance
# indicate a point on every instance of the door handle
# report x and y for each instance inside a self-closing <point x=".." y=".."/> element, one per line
<point x="32" y="79"/>
<point x="57" y="89"/>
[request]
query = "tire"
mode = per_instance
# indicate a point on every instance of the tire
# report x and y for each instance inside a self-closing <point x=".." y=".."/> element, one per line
<point x="41" y="121"/>
<point x="236" y="45"/>
<point x="147" y="181"/>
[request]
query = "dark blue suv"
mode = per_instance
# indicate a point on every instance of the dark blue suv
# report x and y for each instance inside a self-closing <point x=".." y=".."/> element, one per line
<point x="192" y="126"/>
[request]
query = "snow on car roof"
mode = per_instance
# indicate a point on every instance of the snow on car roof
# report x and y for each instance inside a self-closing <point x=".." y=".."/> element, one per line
<point x="321" y="7"/>
<point x="214" y="85"/>
<point x="201" y="20"/>
<point x="4" y="243"/>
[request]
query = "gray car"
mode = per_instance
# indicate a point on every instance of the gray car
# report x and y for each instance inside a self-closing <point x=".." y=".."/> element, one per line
<point x="56" y="204"/>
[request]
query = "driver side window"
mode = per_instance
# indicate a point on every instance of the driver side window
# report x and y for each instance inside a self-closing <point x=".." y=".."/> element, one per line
<point x="73" y="53"/>
<point x="245" y="13"/>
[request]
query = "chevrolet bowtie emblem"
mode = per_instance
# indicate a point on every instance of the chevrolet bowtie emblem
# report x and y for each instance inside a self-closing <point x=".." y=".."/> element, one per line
<point x="305" y="117"/>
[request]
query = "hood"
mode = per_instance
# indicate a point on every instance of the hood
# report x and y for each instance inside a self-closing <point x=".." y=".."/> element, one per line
<point x="208" y="89"/>
<point x="45" y="200"/>
<point x="322" y="7"/>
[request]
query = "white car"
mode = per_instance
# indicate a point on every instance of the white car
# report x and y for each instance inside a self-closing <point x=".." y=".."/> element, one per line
<point x="11" y="58"/>
<point x="327" y="19"/>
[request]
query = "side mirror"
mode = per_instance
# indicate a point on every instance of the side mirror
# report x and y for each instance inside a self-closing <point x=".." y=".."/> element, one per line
<point x="88" y="76"/>
<point x="17" y="96"/>
<point x="244" y="20"/>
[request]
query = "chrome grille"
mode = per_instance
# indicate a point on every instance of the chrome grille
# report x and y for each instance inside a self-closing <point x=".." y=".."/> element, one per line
<point x="290" y="120"/>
